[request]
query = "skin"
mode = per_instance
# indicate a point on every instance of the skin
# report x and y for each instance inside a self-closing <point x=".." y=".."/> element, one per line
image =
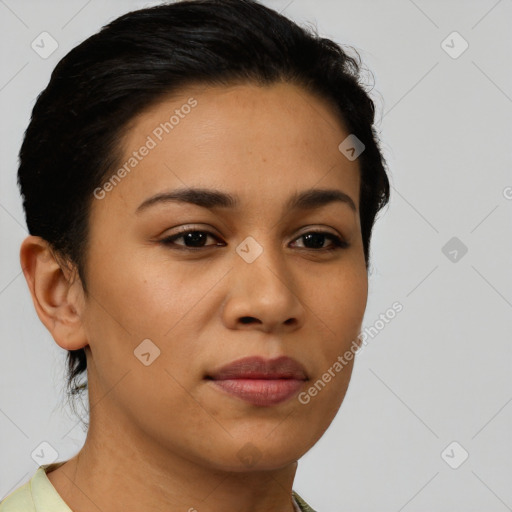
<point x="161" y="437"/>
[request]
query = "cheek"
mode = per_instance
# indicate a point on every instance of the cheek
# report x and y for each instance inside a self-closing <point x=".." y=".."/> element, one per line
<point x="148" y="296"/>
<point x="337" y="307"/>
<point x="337" y="303"/>
<point x="137" y="299"/>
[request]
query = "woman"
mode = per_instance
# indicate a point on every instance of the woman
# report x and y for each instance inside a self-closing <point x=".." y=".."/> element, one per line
<point x="200" y="182"/>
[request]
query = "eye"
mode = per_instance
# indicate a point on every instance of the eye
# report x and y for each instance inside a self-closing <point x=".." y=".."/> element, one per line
<point x="196" y="239"/>
<point x="192" y="238"/>
<point x="315" y="240"/>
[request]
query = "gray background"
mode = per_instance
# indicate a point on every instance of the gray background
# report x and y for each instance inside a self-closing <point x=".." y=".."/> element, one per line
<point x="440" y="371"/>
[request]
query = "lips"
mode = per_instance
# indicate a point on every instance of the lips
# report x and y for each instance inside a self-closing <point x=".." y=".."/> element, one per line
<point x="259" y="381"/>
<point x="259" y="368"/>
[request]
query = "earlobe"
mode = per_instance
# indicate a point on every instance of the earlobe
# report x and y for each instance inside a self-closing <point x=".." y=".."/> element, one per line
<point x="56" y="297"/>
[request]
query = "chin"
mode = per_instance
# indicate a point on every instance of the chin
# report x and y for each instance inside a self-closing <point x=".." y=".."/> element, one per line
<point x="259" y="454"/>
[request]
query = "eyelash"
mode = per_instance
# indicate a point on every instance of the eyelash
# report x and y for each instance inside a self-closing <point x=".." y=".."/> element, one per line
<point x="338" y="242"/>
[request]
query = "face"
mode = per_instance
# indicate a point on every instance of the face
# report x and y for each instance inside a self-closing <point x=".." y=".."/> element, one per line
<point x="180" y="287"/>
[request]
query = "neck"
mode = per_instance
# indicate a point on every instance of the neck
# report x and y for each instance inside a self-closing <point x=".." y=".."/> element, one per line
<point x="119" y="468"/>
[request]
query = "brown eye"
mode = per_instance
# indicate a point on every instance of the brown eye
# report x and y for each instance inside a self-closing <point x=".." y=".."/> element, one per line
<point x="316" y="240"/>
<point x="193" y="239"/>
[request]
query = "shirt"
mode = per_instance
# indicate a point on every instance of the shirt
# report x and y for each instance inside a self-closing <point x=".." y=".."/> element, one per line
<point x="39" y="495"/>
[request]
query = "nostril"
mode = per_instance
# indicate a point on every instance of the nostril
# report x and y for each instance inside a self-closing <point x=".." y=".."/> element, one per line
<point x="247" y="319"/>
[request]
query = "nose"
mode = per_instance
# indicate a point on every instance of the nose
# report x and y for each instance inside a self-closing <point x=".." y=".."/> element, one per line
<point x="263" y="295"/>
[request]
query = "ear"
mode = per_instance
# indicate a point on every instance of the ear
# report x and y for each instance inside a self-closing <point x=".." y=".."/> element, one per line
<point x="58" y="299"/>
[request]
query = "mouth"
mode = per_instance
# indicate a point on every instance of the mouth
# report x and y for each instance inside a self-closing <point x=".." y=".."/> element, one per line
<point x="259" y="381"/>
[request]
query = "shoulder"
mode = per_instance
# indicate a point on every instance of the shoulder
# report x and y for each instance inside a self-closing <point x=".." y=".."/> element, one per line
<point x="36" y="495"/>
<point x="19" y="500"/>
<point x="303" y="506"/>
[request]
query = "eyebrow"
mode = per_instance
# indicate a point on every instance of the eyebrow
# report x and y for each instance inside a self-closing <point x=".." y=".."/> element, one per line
<point x="206" y="198"/>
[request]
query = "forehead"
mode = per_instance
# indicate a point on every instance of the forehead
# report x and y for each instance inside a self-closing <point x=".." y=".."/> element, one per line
<point x="259" y="142"/>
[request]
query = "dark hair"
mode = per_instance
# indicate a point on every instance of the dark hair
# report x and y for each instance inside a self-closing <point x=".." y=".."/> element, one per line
<point x="73" y="141"/>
